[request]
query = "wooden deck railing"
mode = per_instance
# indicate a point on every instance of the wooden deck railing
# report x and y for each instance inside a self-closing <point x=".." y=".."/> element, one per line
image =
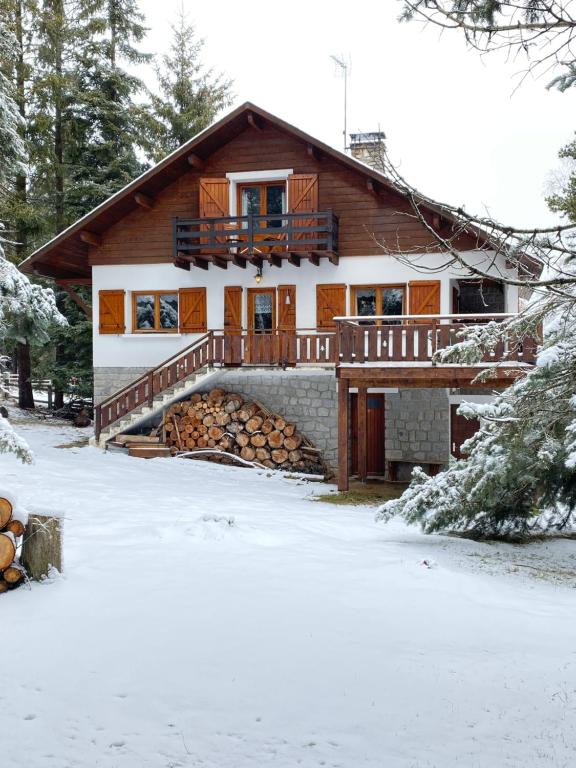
<point x="274" y="348"/>
<point x="416" y="338"/>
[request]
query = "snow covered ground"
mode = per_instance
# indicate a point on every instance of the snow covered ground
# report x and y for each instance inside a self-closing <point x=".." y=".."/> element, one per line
<point x="218" y="618"/>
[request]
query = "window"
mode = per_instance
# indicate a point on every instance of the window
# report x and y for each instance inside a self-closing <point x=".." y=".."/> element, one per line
<point x="372" y="300"/>
<point x="263" y="199"/>
<point x="155" y="311"/>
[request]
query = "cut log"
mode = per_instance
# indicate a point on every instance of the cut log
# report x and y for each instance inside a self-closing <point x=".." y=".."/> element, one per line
<point x="279" y="423"/>
<point x="242" y="439"/>
<point x="267" y="426"/>
<point x="289" y="430"/>
<point x="13" y="574"/>
<point x="215" y="433"/>
<point x="279" y="456"/>
<point x="208" y="420"/>
<point x="202" y="442"/>
<point x="258" y="440"/>
<point x="16" y="527"/>
<point x="276" y="439"/>
<point x="294" y="456"/>
<point x="253" y="424"/>
<point x="42" y="546"/>
<point x="202" y="429"/>
<point x="7" y="549"/>
<point x="5" y="512"/>
<point x="234" y="427"/>
<point x="222" y="419"/>
<point x="248" y="453"/>
<point x="262" y="454"/>
<point x="292" y="443"/>
<point x="232" y="405"/>
<point x="247" y="411"/>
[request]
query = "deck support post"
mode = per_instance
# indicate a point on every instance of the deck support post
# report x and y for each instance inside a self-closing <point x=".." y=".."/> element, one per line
<point x="343" y="434"/>
<point x="362" y="435"/>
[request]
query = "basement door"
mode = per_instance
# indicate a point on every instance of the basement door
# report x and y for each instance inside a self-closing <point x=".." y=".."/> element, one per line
<point x="261" y="343"/>
<point x="375" y="432"/>
<point x="460" y="430"/>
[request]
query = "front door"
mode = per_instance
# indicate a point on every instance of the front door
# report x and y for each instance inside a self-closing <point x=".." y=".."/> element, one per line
<point x="262" y="341"/>
<point x="460" y="430"/>
<point x="375" y="433"/>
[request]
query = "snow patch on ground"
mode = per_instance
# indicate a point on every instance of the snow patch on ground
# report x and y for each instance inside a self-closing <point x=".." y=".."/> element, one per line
<point x="214" y="617"/>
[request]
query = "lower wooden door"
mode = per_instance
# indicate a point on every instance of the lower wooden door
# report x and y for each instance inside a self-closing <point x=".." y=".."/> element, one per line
<point x="262" y="340"/>
<point x="460" y="430"/>
<point x="375" y="434"/>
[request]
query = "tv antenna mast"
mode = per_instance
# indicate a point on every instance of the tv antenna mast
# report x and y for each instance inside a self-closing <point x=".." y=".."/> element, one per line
<point x="344" y="68"/>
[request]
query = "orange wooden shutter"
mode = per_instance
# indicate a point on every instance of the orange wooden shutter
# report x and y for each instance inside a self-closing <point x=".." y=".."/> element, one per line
<point x="111" y="311"/>
<point x="286" y="307"/>
<point x="192" y="310"/>
<point x="232" y="309"/>
<point x="424" y="297"/>
<point x="213" y="203"/>
<point x="330" y="303"/>
<point x="303" y="196"/>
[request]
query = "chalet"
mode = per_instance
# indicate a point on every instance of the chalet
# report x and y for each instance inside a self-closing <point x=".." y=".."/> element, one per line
<point x="253" y="255"/>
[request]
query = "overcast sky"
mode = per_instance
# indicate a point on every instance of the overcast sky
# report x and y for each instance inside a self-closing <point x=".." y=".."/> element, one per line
<point x="456" y="124"/>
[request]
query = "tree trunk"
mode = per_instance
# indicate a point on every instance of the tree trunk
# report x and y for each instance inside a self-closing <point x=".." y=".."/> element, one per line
<point x="42" y="546"/>
<point x="25" y="394"/>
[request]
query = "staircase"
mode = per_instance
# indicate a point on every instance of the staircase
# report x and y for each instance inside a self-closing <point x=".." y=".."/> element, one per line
<point x="169" y="381"/>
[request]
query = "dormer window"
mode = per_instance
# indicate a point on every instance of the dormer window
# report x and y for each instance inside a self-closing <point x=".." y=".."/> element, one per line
<point x="266" y="198"/>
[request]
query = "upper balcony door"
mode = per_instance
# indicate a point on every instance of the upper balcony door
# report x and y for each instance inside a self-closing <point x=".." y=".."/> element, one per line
<point x="264" y="199"/>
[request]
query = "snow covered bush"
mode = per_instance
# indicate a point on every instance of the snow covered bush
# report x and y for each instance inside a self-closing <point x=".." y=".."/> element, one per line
<point x="520" y="475"/>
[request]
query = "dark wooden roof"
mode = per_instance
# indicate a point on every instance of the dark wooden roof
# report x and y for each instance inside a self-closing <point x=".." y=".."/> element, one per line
<point x="66" y="255"/>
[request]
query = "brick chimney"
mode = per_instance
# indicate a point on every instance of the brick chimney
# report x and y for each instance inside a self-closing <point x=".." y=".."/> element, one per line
<point x="368" y="147"/>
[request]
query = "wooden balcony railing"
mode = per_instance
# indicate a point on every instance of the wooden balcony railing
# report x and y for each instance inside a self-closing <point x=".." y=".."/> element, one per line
<point x="416" y="338"/>
<point x="256" y="234"/>
<point x="219" y="348"/>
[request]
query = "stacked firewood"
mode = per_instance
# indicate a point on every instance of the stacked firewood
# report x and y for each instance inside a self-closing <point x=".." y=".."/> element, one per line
<point x="11" y="530"/>
<point x="221" y="422"/>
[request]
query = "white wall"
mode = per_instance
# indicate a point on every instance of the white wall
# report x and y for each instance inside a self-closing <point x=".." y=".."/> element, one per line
<point x="150" y="349"/>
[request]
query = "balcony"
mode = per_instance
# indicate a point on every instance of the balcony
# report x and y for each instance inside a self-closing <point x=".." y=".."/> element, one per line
<point x="255" y="239"/>
<point x="399" y="350"/>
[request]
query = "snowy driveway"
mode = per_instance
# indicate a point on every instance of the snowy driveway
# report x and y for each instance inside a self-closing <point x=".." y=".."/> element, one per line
<point x="216" y="618"/>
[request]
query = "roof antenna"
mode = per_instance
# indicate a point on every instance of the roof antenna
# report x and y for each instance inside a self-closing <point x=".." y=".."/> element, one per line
<point x="344" y="66"/>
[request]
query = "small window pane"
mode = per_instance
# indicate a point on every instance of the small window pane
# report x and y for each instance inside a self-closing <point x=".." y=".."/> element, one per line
<point x="250" y="200"/>
<point x="275" y="203"/>
<point x="145" y="312"/>
<point x="169" y="310"/>
<point x="393" y="302"/>
<point x="263" y="312"/>
<point x="365" y="301"/>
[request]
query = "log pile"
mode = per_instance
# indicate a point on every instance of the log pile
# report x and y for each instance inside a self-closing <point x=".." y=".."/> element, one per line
<point x="12" y="528"/>
<point x="224" y="423"/>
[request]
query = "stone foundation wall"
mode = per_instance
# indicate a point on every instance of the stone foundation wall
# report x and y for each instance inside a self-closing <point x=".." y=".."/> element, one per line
<point x="306" y="398"/>
<point x="110" y="380"/>
<point x="418" y="425"/>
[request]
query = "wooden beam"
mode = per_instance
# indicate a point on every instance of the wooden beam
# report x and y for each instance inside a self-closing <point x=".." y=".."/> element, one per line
<point x="294" y="259"/>
<point x="90" y="238"/>
<point x="343" y="435"/>
<point x="256" y="260"/>
<point x="314" y="259"/>
<point x="371" y="187"/>
<point x="362" y="435"/>
<point x="182" y="264"/>
<point x="253" y="122"/>
<point x="312" y="152"/>
<point x="334" y="259"/>
<point x="78" y="300"/>
<point x="143" y="201"/>
<point x="200" y="263"/>
<point x="239" y="261"/>
<point x="218" y="261"/>
<point x="275" y="260"/>
<point x="427" y="376"/>
<point x="195" y="161"/>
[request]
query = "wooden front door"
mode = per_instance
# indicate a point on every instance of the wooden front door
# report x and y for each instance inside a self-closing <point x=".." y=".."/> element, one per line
<point x="232" y="325"/>
<point x="375" y="433"/>
<point x="262" y="341"/>
<point x="460" y="430"/>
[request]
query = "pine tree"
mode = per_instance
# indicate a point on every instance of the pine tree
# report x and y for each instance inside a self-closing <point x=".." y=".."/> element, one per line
<point x="190" y="97"/>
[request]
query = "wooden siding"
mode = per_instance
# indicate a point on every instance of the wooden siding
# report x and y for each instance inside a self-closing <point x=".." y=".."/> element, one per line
<point x="145" y="235"/>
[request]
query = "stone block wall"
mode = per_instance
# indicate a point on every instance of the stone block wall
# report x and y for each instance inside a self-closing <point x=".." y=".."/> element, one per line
<point x="110" y="380"/>
<point x="418" y="425"/>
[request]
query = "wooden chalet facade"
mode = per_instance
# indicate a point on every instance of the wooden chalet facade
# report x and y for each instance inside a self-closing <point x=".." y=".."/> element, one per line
<point x="255" y="246"/>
